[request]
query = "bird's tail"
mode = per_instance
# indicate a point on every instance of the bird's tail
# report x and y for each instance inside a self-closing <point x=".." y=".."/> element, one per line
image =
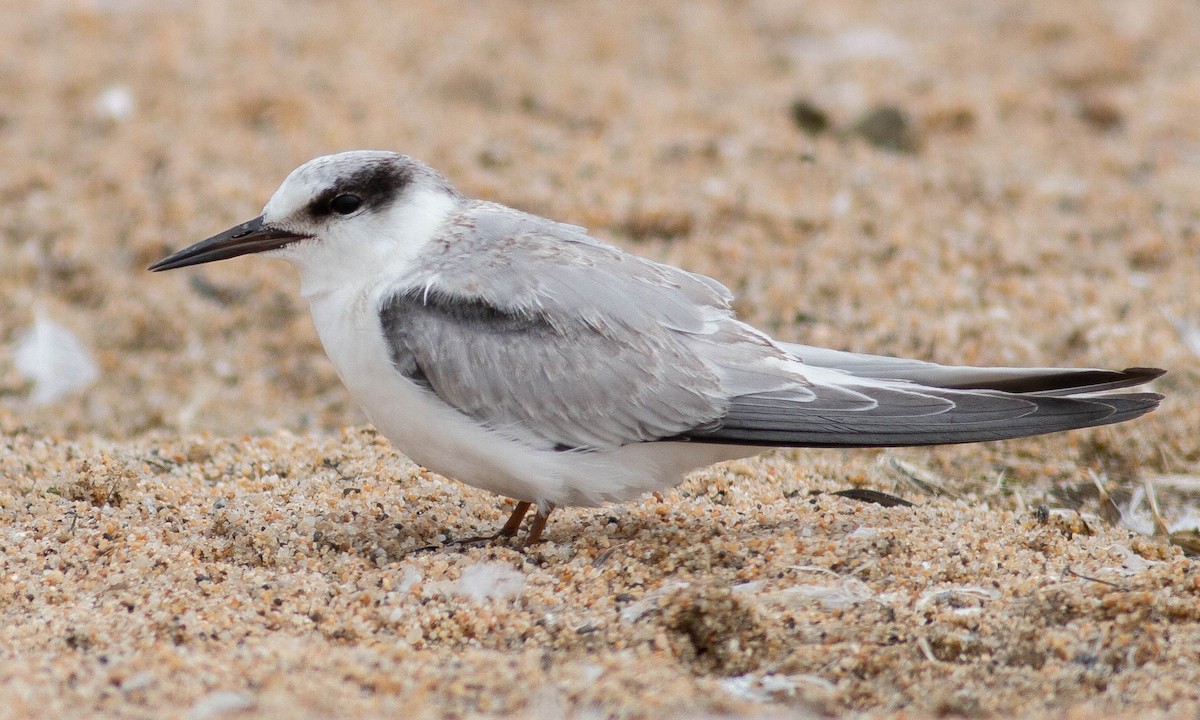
<point x="874" y="401"/>
<point x="1022" y="381"/>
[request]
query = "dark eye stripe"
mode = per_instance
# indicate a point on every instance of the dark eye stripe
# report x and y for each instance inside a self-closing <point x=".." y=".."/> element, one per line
<point x="373" y="187"/>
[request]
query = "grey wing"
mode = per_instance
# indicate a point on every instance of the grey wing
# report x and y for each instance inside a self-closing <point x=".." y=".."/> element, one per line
<point x="552" y="383"/>
<point x="533" y="328"/>
<point x="515" y="260"/>
<point x="1040" y="381"/>
<point x="922" y="403"/>
<point x="907" y="415"/>
<point x="536" y="329"/>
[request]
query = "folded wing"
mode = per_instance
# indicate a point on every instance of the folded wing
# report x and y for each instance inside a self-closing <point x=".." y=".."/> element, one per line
<point x="537" y="330"/>
<point x="1042" y="381"/>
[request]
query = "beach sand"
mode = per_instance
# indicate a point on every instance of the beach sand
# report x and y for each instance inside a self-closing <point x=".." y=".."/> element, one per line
<point x="211" y="529"/>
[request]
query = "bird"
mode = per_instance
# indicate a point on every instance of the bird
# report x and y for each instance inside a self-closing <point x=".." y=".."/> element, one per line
<point x="525" y="357"/>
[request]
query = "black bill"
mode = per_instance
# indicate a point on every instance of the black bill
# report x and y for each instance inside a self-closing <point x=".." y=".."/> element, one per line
<point x="249" y="237"/>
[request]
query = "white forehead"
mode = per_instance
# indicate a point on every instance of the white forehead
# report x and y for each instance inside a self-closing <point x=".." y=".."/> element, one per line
<point x="310" y="179"/>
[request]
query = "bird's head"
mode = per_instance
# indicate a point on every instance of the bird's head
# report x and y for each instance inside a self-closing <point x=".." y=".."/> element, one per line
<point x="338" y="218"/>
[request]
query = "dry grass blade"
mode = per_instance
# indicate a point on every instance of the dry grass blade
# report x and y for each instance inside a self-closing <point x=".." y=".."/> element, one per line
<point x="1072" y="573"/>
<point x="919" y="478"/>
<point x="1160" y="525"/>
<point x="1109" y="511"/>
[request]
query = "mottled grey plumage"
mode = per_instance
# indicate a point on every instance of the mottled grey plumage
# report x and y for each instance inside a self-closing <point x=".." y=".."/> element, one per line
<point x="533" y="326"/>
<point x="537" y="330"/>
<point x="524" y="357"/>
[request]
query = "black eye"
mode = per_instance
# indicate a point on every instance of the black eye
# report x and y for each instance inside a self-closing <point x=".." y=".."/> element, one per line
<point x="345" y="204"/>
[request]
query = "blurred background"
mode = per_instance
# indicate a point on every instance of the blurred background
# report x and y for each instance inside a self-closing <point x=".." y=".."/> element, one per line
<point x="973" y="182"/>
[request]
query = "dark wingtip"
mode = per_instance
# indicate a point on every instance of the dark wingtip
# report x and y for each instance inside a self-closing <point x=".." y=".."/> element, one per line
<point x="1129" y="406"/>
<point x="1066" y="381"/>
<point x="1144" y="374"/>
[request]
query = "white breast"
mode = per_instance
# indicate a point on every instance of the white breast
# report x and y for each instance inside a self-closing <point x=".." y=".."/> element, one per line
<point x="420" y="425"/>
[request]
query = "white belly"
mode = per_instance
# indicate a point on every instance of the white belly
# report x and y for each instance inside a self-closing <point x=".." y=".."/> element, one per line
<point x="440" y="438"/>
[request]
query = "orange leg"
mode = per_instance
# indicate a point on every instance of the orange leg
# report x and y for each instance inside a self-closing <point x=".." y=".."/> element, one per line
<point x="509" y="530"/>
<point x="514" y="521"/>
<point x="537" y="526"/>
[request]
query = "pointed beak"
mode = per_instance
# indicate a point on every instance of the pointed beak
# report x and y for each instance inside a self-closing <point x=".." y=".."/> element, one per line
<point x="250" y="237"/>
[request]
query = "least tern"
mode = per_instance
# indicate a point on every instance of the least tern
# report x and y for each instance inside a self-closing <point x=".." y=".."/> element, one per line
<point x="525" y="357"/>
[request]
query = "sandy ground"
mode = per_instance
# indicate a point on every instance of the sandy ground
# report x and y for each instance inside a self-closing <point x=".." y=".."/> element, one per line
<point x="209" y="529"/>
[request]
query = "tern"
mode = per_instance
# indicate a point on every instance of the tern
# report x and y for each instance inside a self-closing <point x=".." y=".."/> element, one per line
<point x="525" y="357"/>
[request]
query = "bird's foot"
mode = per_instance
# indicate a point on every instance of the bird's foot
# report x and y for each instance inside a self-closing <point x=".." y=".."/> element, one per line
<point x="511" y="527"/>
